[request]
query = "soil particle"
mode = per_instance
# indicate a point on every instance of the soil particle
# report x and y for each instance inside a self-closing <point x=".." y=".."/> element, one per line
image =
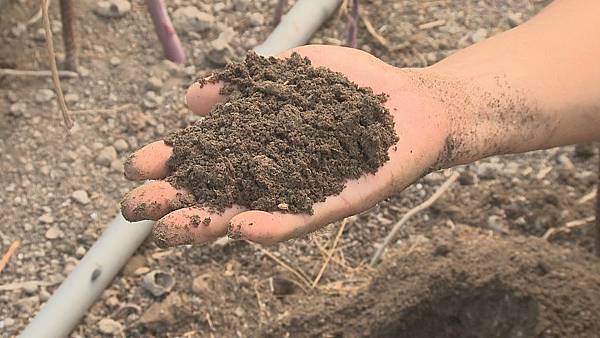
<point x="289" y="136"/>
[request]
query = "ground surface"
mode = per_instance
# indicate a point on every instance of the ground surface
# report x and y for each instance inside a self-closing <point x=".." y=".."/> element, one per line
<point x="501" y="206"/>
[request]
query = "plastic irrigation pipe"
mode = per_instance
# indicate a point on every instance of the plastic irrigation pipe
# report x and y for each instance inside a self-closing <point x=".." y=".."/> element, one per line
<point x="69" y="303"/>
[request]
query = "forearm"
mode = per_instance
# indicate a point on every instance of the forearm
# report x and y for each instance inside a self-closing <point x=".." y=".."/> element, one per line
<point x="533" y="87"/>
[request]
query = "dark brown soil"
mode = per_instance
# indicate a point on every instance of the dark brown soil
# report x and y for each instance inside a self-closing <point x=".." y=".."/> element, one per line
<point x="288" y="136"/>
<point x="465" y="284"/>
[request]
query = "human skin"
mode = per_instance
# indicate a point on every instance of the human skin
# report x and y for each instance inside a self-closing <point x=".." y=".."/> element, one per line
<point x="534" y="87"/>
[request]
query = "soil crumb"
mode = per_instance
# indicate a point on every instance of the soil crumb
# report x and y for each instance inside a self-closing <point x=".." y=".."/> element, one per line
<point x="288" y="136"/>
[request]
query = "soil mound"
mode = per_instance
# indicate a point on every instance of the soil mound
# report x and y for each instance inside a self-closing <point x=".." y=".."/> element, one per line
<point x="289" y="135"/>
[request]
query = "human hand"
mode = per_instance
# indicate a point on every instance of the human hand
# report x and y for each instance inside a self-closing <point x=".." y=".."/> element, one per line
<point x="420" y="122"/>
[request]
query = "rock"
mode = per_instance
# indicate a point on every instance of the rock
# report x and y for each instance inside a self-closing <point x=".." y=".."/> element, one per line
<point x="479" y="35"/>
<point x="46" y="219"/>
<point x="158" y="282"/>
<point x="29" y="304"/>
<point x="141" y="271"/>
<point x="44" y="95"/>
<point x="7" y="322"/>
<point x="80" y="196"/>
<point x="106" y="156"/>
<point x="40" y="35"/>
<point x="80" y="252"/>
<point x="220" y="51"/>
<point x="487" y="171"/>
<point x="17" y="109"/>
<point x="163" y="312"/>
<point x="110" y="327"/>
<point x="283" y="286"/>
<point x="154" y="84"/>
<point x="44" y="294"/>
<point x="121" y="145"/>
<point x="496" y="223"/>
<point x="134" y="263"/>
<point x="239" y="311"/>
<point x="514" y="19"/>
<point x="112" y="8"/>
<point x="466" y="178"/>
<point x="71" y="98"/>
<point x="152" y="100"/>
<point x="54" y="233"/>
<point x="201" y="286"/>
<point x="117" y="165"/>
<point x="112" y="301"/>
<point x="191" y="19"/>
<point x="18" y="29"/>
<point x="256" y="19"/>
<point x="114" y="61"/>
<point x="30" y="288"/>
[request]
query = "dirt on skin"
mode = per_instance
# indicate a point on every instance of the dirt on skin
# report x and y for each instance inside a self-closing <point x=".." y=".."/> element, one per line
<point x="465" y="283"/>
<point x="289" y="135"/>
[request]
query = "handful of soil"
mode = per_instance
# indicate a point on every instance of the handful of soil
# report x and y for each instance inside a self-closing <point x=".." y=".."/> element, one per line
<point x="288" y="136"/>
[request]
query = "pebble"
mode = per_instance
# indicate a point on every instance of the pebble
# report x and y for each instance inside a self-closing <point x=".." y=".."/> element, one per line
<point x="117" y="166"/>
<point x="115" y="61"/>
<point x="256" y="19"/>
<point x="54" y="233"/>
<point x="112" y="8"/>
<point x="44" y="294"/>
<point x="200" y="285"/>
<point x="46" y="219"/>
<point x="44" y="95"/>
<point x="40" y="35"/>
<point x="17" y="109"/>
<point x="7" y="322"/>
<point x="18" y="29"/>
<point x="141" y="271"/>
<point x="80" y="196"/>
<point x="80" y="252"/>
<point x="158" y="282"/>
<point x="30" y="288"/>
<point x="154" y="84"/>
<point x="487" y="171"/>
<point x="496" y="223"/>
<point x="152" y="100"/>
<point x="479" y="35"/>
<point x="514" y="19"/>
<point x="106" y="156"/>
<point x="71" y="98"/>
<point x="121" y="145"/>
<point x="109" y="327"/>
<point x="163" y="312"/>
<point x="191" y="19"/>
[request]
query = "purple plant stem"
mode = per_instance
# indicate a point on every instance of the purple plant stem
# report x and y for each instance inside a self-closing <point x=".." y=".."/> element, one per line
<point x="67" y="16"/>
<point x="165" y="31"/>
<point x="279" y="8"/>
<point x="351" y="40"/>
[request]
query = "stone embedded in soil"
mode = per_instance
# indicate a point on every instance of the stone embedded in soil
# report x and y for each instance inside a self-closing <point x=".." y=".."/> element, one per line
<point x="112" y="8"/>
<point x="54" y="233"/>
<point x="106" y="156"/>
<point x="191" y="19"/>
<point x="109" y="327"/>
<point x="289" y="135"/>
<point x="81" y="197"/>
<point x="44" y="95"/>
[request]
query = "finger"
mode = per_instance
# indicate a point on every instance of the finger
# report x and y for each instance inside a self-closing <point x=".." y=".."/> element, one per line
<point x="192" y="225"/>
<point x="148" y="163"/>
<point x="201" y="97"/>
<point x="153" y="200"/>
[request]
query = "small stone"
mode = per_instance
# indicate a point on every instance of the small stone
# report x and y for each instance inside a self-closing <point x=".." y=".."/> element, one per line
<point x="487" y="171"/>
<point x="163" y="312"/>
<point x="44" y="95"/>
<point x="154" y="84"/>
<point x="44" y="294"/>
<point x="141" y="271"/>
<point x="496" y="223"/>
<point x="239" y="311"/>
<point x="121" y="145"/>
<point x="7" y="322"/>
<point x="106" y="156"/>
<point x="109" y="327"/>
<point x="283" y="286"/>
<point x="80" y="252"/>
<point x="200" y="285"/>
<point x="283" y="206"/>
<point x="256" y="19"/>
<point x="46" y="219"/>
<point x="479" y="35"/>
<point x="191" y="19"/>
<point x="112" y="301"/>
<point x="81" y="197"/>
<point x="17" y="109"/>
<point x="115" y="61"/>
<point x="112" y="8"/>
<point x="71" y="98"/>
<point x="514" y="19"/>
<point x="40" y="35"/>
<point x="152" y="100"/>
<point x="134" y="263"/>
<point x="18" y="29"/>
<point x="30" y="288"/>
<point x="117" y="166"/>
<point x="54" y="233"/>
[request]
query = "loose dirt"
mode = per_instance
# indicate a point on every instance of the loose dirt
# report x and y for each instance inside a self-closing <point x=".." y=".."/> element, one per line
<point x="288" y="136"/>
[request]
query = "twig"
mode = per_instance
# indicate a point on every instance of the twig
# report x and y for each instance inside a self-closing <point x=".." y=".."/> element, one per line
<point x="351" y="40"/>
<point x="67" y="17"/>
<point x="283" y="264"/>
<point x="411" y="213"/>
<point x="372" y="31"/>
<point x="567" y="227"/>
<point x="9" y="253"/>
<point x="279" y="8"/>
<point x="165" y="31"/>
<point x="587" y="197"/>
<point x="330" y="254"/>
<point x="210" y="324"/>
<point x="59" y="94"/>
<point x="36" y="17"/>
<point x="36" y="73"/>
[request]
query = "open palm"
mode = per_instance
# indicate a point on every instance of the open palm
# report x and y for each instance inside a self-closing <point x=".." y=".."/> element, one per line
<point x="420" y="122"/>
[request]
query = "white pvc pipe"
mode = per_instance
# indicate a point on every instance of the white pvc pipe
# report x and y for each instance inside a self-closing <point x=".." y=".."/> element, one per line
<point x="63" y="311"/>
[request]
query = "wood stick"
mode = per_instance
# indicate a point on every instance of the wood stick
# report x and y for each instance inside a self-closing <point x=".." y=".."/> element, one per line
<point x="36" y="73"/>
<point x="59" y="94"/>
<point x="9" y="253"/>
<point x="283" y="264"/>
<point x="330" y="254"/>
<point x="411" y="213"/>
